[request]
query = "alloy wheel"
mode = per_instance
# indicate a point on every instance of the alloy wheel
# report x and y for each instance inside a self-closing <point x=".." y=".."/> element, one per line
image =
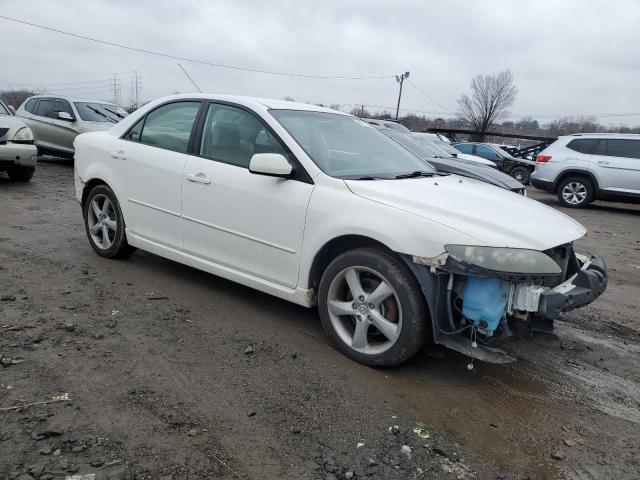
<point x="574" y="193"/>
<point x="364" y="310"/>
<point x="102" y="221"/>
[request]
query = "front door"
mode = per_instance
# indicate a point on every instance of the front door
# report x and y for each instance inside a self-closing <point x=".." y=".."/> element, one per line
<point x="616" y="165"/>
<point x="250" y="223"/>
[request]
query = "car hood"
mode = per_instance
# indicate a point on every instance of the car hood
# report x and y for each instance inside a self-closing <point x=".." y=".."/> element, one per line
<point x="10" y="124"/>
<point x="477" y="171"/>
<point x="492" y="216"/>
<point x="477" y="160"/>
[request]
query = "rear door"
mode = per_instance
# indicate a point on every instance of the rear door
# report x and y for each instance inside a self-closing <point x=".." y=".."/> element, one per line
<point x="616" y="164"/>
<point x="150" y="159"/>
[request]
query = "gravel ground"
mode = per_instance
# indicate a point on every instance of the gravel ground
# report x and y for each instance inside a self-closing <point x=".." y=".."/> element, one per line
<point x="158" y="371"/>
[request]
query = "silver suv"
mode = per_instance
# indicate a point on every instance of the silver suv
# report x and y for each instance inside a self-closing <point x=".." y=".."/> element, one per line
<point x="584" y="167"/>
<point x="57" y="120"/>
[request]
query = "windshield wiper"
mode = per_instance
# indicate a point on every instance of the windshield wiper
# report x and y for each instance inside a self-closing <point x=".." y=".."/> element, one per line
<point x="372" y="177"/>
<point x="417" y="173"/>
<point x="115" y="113"/>
<point x="100" y="113"/>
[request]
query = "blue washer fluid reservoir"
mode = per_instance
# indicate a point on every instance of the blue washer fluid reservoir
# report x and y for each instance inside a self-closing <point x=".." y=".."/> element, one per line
<point x="485" y="301"/>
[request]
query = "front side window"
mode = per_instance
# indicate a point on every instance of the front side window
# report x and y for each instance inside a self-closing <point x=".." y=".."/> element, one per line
<point x="486" y="152"/>
<point x="583" y="145"/>
<point x="3" y="110"/>
<point x="62" y="106"/>
<point x="232" y="135"/>
<point x="169" y="126"/>
<point x="464" y="147"/>
<point x="623" y="148"/>
<point x="346" y="147"/>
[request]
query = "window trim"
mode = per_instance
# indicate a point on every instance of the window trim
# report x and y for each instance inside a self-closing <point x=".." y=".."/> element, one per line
<point x="299" y="173"/>
<point x="196" y="121"/>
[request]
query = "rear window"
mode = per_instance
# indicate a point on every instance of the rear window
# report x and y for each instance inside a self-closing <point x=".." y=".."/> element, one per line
<point x="583" y="145"/>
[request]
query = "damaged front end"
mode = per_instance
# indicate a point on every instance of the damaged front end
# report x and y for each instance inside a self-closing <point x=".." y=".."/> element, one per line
<point x="481" y="296"/>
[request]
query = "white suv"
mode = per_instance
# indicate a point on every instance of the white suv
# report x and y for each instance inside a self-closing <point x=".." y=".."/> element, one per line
<point x="584" y="167"/>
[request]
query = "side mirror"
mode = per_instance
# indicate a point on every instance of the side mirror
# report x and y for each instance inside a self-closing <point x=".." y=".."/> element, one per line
<point x="271" y="164"/>
<point x="12" y="109"/>
<point x="65" y="116"/>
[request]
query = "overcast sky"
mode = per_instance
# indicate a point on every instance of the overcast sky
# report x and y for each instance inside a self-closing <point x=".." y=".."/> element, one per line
<point x="567" y="57"/>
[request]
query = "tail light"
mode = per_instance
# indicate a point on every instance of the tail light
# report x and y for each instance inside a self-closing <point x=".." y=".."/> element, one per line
<point x="543" y="158"/>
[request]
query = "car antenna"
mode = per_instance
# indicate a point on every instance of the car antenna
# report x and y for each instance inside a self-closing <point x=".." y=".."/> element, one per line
<point x="191" y="79"/>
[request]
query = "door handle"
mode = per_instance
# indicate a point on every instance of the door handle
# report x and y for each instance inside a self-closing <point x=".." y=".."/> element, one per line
<point x="603" y="162"/>
<point x="119" y="155"/>
<point x="199" y="178"/>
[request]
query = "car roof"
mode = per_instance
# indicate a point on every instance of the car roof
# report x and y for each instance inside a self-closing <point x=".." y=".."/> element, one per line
<point x="605" y="135"/>
<point x="252" y="102"/>
<point x="72" y="99"/>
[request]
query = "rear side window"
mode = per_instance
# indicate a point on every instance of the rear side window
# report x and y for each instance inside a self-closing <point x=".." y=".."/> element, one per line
<point x="45" y="107"/>
<point x="30" y="106"/>
<point x="583" y="145"/>
<point x="170" y="126"/>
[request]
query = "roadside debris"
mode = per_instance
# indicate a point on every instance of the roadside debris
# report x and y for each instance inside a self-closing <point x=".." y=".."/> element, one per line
<point x="58" y="398"/>
<point x="8" y="298"/>
<point x="558" y="454"/>
<point x="422" y="433"/>
<point x="249" y="350"/>
<point x="359" y="444"/>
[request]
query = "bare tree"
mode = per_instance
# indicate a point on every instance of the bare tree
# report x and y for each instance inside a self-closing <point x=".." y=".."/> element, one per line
<point x="489" y="101"/>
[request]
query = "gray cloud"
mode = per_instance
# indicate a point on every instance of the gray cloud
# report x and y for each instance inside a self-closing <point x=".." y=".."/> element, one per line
<point x="571" y="57"/>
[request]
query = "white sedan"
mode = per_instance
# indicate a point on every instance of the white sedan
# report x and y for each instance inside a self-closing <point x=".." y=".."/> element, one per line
<point x="319" y="208"/>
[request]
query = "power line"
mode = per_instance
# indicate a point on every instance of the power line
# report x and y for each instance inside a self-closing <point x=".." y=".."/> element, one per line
<point x="193" y="60"/>
<point x="430" y="97"/>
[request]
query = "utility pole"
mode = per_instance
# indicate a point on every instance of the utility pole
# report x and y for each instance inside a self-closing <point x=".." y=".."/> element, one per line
<point x="116" y="89"/>
<point x="136" y="88"/>
<point x="400" y="79"/>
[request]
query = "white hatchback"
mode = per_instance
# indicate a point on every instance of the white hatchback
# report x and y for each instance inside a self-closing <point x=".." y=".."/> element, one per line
<point x="320" y="208"/>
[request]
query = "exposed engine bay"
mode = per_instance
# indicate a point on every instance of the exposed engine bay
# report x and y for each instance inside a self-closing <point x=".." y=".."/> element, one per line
<point x="477" y="305"/>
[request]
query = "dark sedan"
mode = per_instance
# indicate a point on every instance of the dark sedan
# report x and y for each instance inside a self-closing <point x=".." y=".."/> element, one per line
<point x="454" y="165"/>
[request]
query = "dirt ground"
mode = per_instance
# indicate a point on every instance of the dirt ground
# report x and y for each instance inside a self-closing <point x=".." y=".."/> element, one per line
<point x="149" y="364"/>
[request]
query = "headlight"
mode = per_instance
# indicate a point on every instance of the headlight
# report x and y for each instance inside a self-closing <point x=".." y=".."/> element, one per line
<point x="510" y="260"/>
<point x="24" y="134"/>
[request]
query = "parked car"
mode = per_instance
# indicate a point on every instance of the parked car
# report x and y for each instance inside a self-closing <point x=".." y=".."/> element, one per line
<point x="320" y="208"/>
<point x="18" y="154"/>
<point x="57" y="120"/>
<point x="518" y="168"/>
<point x="585" y="167"/>
<point x="455" y="165"/>
<point x="426" y="141"/>
<point x="388" y="124"/>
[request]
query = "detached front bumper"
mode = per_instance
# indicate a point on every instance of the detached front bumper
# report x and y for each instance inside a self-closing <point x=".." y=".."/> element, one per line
<point x="18" y="155"/>
<point x="580" y="290"/>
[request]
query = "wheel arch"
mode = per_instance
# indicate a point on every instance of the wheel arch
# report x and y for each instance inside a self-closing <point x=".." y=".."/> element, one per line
<point x="575" y="172"/>
<point x="337" y="246"/>
<point x="90" y="185"/>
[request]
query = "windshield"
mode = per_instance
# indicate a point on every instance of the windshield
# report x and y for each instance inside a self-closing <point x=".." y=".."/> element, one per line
<point x="447" y="147"/>
<point x="3" y="109"/>
<point x="100" y="112"/>
<point x="434" y="146"/>
<point x="346" y="147"/>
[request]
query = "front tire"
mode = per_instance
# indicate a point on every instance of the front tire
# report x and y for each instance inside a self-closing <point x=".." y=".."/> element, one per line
<point x="372" y="308"/>
<point x="575" y="192"/>
<point x="20" y="174"/>
<point x="104" y="223"/>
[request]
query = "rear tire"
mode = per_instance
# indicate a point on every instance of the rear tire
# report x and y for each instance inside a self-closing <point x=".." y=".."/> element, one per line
<point x="385" y="321"/>
<point x="20" y="174"/>
<point x="575" y="192"/>
<point x="522" y="174"/>
<point x="104" y="223"/>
